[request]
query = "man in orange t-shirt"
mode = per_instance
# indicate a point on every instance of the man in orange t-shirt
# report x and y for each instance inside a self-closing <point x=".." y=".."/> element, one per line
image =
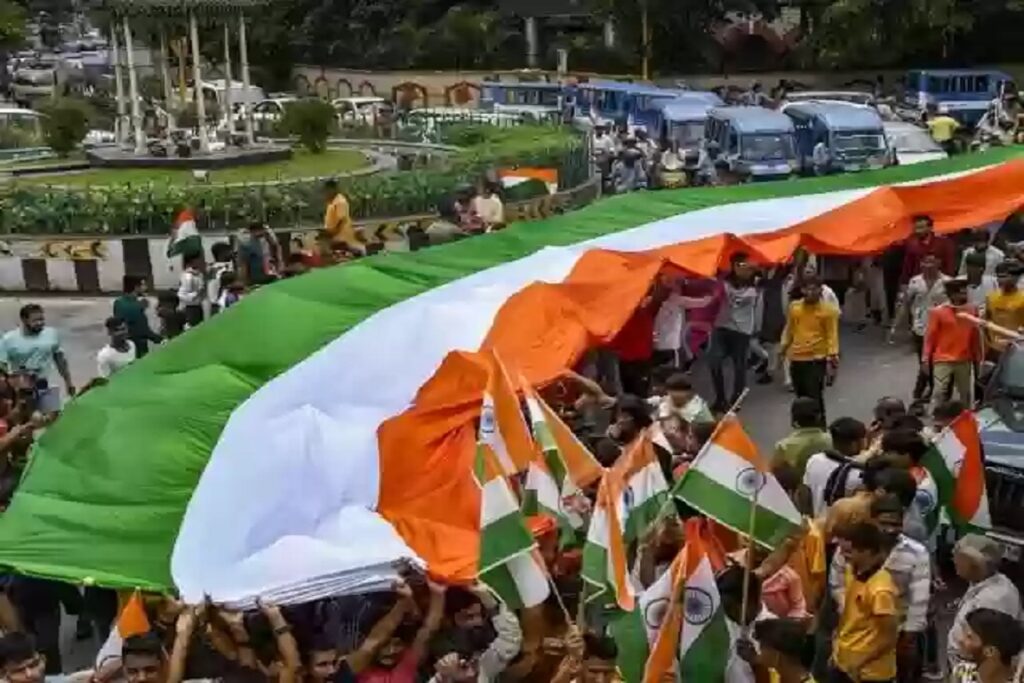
<point x="952" y="346"/>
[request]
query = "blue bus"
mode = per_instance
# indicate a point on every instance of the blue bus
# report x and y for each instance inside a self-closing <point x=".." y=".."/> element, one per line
<point x="754" y="143"/>
<point x="853" y="134"/>
<point x="536" y="100"/>
<point x="964" y="94"/>
<point x="633" y="104"/>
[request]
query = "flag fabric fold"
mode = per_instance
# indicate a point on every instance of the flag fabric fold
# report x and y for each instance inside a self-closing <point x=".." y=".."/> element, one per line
<point x="728" y="476"/>
<point x="955" y="463"/>
<point x="132" y="621"/>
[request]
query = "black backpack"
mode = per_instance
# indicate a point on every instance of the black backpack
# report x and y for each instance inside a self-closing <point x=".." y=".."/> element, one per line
<point x="835" y="486"/>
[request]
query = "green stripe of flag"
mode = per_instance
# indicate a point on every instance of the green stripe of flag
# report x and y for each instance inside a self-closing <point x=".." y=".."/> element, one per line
<point x="503" y="539"/>
<point x="708" y="656"/>
<point x="114" y="519"/>
<point x="500" y="580"/>
<point x="731" y="509"/>
<point x="630" y="635"/>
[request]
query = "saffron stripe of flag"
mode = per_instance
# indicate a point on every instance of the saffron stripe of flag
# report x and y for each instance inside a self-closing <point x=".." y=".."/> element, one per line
<point x="185" y="238"/>
<point x="724" y="479"/>
<point x="955" y="464"/>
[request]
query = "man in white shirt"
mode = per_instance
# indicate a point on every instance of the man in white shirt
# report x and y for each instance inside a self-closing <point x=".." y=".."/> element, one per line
<point x="980" y="245"/>
<point x="192" y="289"/>
<point x="979" y="285"/>
<point x="119" y="352"/>
<point x="489" y="208"/>
<point x="820" y="158"/>
<point x="831" y="475"/>
<point x="924" y="292"/>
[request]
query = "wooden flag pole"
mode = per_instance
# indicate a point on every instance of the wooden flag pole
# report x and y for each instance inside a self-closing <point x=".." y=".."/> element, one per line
<point x="748" y="557"/>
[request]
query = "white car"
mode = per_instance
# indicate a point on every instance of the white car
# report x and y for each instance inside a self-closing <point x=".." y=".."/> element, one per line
<point x="358" y="109"/>
<point x="266" y="113"/>
<point x="911" y="144"/>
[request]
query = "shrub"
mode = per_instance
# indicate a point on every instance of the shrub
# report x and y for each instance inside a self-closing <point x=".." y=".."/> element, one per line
<point x="312" y="121"/>
<point x="65" y="124"/>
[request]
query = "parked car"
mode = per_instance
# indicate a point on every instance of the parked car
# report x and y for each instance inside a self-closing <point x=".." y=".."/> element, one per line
<point x="1001" y="424"/>
<point x="911" y="144"/>
<point x="361" y="110"/>
<point x="266" y="113"/>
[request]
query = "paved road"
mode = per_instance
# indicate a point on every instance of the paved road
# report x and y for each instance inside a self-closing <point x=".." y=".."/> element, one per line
<point x="869" y="369"/>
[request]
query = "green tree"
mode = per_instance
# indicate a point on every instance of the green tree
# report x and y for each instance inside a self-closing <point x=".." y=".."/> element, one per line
<point x="65" y="124"/>
<point x="312" y="121"/>
<point x="12" y="25"/>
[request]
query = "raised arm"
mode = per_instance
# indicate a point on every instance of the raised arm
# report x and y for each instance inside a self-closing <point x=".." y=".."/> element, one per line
<point x="286" y="646"/>
<point x="432" y="622"/>
<point x="184" y="629"/>
<point x="381" y="632"/>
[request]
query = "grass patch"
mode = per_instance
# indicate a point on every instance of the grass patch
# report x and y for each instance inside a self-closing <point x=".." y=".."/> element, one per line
<point x="301" y="165"/>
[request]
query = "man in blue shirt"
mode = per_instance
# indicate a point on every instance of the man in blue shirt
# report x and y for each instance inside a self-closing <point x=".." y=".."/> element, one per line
<point x="34" y="349"/>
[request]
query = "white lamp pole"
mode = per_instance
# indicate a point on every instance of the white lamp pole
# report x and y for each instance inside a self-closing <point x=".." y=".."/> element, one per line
<point x="197" y="76"/>
<point x="133" y="89"/>
<point x="119" y="127"/>
<point x="243" y="50"/>
<point x="228" y="113"/>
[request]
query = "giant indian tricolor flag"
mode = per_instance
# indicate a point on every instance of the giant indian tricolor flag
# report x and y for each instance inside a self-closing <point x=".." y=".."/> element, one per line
<point x="728" y="477"/>
<point x="300" y="443"/>
<point x="955" y="464"/>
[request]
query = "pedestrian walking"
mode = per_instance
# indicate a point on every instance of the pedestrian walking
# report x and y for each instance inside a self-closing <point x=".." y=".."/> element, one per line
<point x="952" y="346"/>
<point x="811" y="342"/>
<point x="734" y="327"/>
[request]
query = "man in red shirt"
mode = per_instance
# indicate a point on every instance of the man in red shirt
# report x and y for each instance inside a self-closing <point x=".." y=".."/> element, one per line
<point x="952" y="346"/>
<point x="924" y="241"/>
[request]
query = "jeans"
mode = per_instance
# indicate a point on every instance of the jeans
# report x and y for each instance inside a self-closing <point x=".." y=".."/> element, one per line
<point x="809" y="380"/>
<point x="735" y="346"/>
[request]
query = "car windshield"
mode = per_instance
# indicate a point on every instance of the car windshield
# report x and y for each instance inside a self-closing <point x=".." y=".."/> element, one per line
<point x="914" y="141"/>
<point x="687" y="134"/>
<point x="767" y="146"/>
<point x="859" y="142"/>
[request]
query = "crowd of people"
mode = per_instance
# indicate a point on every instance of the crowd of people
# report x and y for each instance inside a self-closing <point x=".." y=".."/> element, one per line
<point x="853" y="596"/>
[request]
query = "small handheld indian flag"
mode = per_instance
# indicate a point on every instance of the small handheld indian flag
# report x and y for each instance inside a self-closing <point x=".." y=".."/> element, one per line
<point x="646" y="488"/>
<point x="955" y="464"/>
<point x="132" y="621"/>
<point x="185" y="237"/>
<point x="508" y="562"/>
<point x="605" y="572"/>
<point x="728" y="476"/>
<point x="565" y="468"/>
<point x="657" y="617"/>
<point x="502" y="427"/>
<point x="694" y="637"/>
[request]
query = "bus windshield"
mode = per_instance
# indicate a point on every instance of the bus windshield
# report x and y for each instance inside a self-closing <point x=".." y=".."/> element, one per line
<point x="767" y="146"/>
<point x="859" y="142"/>
<point x="688" y="134"/>
<point x="531" y="96"/>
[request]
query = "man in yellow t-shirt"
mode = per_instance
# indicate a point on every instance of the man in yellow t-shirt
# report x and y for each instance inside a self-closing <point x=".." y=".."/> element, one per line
<point x="943" y="128"/>
<point x="811" y="342"/>
<point x="1004" y="307"/>
<point x="864" y="647"/>
<point x="338" y="221"/>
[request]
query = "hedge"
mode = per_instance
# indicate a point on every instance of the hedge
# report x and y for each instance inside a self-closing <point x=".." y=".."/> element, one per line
<point x="150" y="208"/>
